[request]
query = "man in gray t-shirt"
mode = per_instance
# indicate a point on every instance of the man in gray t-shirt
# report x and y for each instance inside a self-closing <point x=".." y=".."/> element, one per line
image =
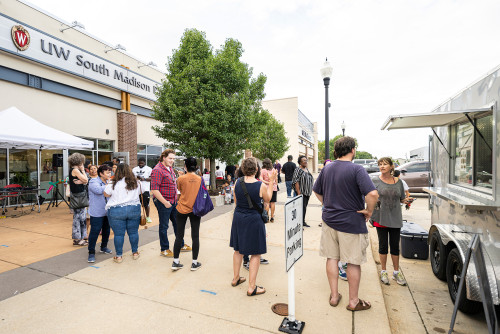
<point x="343" y="188"/>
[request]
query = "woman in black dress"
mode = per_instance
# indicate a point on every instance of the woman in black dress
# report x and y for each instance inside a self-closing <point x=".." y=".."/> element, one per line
<point x="248" y="233"/>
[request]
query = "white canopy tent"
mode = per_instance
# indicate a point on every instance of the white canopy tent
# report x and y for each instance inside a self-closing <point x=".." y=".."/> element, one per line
<point x="20" y="131"/>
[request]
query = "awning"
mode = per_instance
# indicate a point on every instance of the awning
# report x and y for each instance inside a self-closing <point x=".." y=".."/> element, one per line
<point x="434" y="119"/>
<point x="18" y="130"/>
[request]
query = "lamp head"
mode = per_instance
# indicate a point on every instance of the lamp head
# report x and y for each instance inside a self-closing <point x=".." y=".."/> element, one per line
<point x="326" y="70"/>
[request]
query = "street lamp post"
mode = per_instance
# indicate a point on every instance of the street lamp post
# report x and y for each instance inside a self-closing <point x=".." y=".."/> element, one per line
<point x="343" y="129"/>
<point x="326" y="73"/>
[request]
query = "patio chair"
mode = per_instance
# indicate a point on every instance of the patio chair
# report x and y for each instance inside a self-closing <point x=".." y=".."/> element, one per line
<point x="6" y="195"/>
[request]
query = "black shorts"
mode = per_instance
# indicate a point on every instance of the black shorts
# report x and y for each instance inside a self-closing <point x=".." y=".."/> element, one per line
<point x="145" y="195"/>
<point x="273" y="199"/>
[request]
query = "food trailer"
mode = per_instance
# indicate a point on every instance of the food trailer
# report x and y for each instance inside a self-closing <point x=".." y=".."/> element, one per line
<point x="464" y="185"/>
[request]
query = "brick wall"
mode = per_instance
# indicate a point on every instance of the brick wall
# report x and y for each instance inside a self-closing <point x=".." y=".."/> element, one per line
<point x="127" y="135"/>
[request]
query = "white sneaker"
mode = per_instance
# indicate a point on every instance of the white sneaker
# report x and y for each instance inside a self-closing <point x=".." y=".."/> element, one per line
<point x="399" y="278"/>
<point x="384" y="278"/>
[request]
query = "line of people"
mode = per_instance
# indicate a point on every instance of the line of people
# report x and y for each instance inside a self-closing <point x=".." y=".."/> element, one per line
<point x="115" y="199"/>
<point x="348" y="195"/>
<point x="349" y="198"/>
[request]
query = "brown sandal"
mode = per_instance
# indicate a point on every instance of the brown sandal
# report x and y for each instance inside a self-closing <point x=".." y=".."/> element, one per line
<point x="337" y="303"/>
<point x="240" y="280"/>
<point x="360" y="306"/>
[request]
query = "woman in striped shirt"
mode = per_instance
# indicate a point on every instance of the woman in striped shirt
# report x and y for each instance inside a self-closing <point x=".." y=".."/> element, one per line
<point x="302" y="182"/>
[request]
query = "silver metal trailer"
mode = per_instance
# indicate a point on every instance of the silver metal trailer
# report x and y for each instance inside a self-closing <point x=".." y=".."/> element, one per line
<point x="464" y="185"/>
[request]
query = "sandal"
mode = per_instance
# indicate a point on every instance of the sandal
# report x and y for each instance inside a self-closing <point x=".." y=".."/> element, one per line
<point x="255" y="292"/>
<point x="334" y="304"/>
<point x="118" y="259"/>
<point x="272" y="219"/>
<point x="135" y="256"/>
<point x="240" y="280"/>
<point x="360" y="306"/>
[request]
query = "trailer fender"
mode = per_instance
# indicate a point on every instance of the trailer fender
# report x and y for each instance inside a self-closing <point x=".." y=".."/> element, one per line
<point x="454" y="236"/>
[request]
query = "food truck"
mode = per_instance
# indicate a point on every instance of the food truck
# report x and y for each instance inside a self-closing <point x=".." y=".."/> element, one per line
<point x="464" y="185"/>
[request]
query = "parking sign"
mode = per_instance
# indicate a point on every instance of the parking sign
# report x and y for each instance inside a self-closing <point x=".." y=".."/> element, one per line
<point x="294" y="245"/>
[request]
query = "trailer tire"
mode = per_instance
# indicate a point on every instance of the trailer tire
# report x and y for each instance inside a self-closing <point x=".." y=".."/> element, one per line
<point x="438" y="256"/>
<point x="454" y="268"/>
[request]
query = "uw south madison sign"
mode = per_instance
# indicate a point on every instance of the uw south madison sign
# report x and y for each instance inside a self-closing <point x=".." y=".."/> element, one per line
<point x="29" y="43"/>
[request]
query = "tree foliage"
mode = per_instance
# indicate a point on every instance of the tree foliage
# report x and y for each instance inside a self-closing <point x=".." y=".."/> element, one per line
<point x="321" y="150"/>
<point x="363" y="155"/>
<point x="269" y="138"/>
<point x="208" y="99"/>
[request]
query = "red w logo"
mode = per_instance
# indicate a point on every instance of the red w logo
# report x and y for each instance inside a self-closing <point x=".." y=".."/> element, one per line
<point x="21" y="38"/>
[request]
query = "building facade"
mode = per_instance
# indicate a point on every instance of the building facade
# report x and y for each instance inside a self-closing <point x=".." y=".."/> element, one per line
<point x="302" y="134"/>
<point x="72" y="81"/>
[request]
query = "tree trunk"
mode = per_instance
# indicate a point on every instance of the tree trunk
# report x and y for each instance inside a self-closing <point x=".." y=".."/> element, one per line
<point x="213" y="185"/>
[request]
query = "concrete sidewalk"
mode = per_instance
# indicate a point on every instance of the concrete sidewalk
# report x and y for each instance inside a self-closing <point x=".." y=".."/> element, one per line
<point x="145" y="295"/>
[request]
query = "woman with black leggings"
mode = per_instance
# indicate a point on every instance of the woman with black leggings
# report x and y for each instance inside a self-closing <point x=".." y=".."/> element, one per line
<point x="188" y="185"/>
<point x="388" y="218"/>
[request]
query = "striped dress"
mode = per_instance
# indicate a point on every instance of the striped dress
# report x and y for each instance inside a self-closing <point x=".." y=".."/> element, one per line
<point x="305" y="180"/>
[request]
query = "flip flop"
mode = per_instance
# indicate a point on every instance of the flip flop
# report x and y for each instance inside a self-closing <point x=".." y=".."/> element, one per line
<point x="360" y="306"/>
<point x="334" y="304"/>
<point x="240" y="280"/>
<point x="254" y="293"/>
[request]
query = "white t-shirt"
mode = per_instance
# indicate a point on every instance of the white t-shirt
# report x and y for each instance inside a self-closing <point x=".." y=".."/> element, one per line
<point x="144" y="172"/>
<point x="219" y="173"/>
<point x="405" y="186"/>
<point x="121" y="196"/>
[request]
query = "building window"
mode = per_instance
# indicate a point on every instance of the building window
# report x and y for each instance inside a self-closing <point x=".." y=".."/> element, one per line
<point x="150" y="152"/>
<point x="473" y="160"/>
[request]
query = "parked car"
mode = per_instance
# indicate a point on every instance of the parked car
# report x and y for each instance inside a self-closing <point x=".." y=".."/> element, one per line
<point x="372" y="167"/>
<point x="415" y="174"/>
<point x="364" y="161"/>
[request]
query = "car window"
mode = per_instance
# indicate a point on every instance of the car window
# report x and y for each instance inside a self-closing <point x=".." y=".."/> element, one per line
<point x="418" y="167"/>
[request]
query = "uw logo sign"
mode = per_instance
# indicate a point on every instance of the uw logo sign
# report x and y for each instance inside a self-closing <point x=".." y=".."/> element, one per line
<point x="20" y="37"/>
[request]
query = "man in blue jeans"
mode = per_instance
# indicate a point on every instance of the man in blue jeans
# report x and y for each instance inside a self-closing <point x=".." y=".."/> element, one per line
<point x="164" y="190"/>
<point x="288" y="169"/>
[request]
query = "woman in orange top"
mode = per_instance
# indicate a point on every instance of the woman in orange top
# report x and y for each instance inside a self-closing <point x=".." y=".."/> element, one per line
<point x="188" y="185"/>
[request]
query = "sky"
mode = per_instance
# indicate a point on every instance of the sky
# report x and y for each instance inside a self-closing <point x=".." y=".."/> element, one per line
<point x="388" y="57"/>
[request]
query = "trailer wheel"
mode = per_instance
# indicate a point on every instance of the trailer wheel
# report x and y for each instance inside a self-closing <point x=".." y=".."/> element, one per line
<point x="454" y="268"/>
<point x="438" y="256"/>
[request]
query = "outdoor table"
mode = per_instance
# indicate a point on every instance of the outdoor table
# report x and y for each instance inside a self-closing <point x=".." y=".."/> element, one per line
<point x="6" y="193"/>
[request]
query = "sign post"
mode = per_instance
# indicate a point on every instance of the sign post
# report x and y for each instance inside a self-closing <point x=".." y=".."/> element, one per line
<point x="294" y="249"/>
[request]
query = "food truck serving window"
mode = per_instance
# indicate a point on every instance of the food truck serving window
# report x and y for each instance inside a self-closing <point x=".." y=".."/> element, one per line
<point x="473" y="158"/>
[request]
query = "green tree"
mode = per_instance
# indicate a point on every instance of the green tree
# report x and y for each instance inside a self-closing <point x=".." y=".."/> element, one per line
<point x="321" y="150"/>
<point x="269" y="139"/>
<point x="363" y="155"/>
<point x="208" y="99"/>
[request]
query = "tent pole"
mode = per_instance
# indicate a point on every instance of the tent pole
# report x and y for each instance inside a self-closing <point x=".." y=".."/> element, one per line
<point x="8" y="166"/>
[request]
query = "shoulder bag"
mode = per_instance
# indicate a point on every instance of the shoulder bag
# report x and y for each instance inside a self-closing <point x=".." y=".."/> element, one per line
<point x="79" y="200"/>
<point x="252" y="204"/>
<point x="203" y="203"/>
<point x="143" y="213"/>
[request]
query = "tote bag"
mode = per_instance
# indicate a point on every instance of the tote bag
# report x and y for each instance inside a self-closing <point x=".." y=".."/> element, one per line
<point x="203" y="204"/>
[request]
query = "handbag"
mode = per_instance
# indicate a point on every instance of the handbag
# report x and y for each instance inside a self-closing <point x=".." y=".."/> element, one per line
<point x="203" y="203"/>
<point x="79" y="200"/>
<point x="143" y="213"/>
<point x="251" y="203"/>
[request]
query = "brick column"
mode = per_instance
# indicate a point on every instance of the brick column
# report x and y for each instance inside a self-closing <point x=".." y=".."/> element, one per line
<point x="127" y="135"/>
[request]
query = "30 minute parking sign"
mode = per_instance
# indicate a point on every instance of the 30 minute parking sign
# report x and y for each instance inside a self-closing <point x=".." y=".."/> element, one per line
<point x="294" y="245"/>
